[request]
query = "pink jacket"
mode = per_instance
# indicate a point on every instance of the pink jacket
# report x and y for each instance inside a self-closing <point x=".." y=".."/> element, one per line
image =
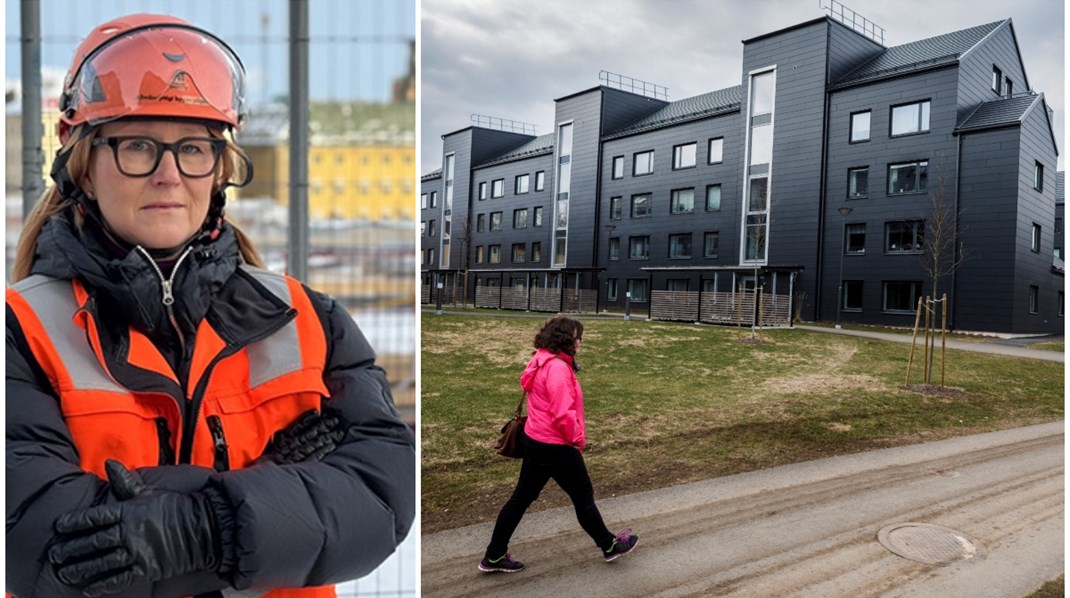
<point x="555" y="400"/>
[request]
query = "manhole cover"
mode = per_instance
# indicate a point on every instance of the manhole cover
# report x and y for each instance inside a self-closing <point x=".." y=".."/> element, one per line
<point x="930" y="544"/>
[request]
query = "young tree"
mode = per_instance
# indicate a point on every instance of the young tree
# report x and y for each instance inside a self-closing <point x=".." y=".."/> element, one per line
<point x="941" y="251"/>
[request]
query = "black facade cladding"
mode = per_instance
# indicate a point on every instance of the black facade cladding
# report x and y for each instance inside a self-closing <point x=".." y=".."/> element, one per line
<point x="824" y="72"/>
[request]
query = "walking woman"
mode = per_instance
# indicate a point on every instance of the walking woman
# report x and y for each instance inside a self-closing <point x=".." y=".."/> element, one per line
<point x="554" y="442"/>
<point x="180" y="421"/>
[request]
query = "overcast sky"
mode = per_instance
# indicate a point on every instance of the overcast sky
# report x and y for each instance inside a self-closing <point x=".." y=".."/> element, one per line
<point x="512" y="58"/>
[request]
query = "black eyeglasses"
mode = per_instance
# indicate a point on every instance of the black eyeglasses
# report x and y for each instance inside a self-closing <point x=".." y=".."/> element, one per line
<point x="196" y="157"/>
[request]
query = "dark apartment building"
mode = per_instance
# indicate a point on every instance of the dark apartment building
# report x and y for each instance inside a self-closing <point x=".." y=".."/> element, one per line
<point x="840" y="180"/>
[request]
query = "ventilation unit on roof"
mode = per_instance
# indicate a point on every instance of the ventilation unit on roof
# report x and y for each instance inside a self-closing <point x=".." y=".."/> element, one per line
<point x="637" y="86"/>
<point x="852" y="19"/>
<point x="503" y="124"/>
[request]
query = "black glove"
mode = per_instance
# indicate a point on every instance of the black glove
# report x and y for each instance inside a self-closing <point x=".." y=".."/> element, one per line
<point x="150" y="536"/>
<point x="311" y="437"/>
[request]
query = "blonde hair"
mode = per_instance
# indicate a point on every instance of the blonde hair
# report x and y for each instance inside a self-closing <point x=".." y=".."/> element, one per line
<point x="232" y="169"/>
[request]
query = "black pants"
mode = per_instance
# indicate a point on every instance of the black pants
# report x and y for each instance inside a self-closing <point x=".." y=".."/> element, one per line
<point x="541" y="463"/>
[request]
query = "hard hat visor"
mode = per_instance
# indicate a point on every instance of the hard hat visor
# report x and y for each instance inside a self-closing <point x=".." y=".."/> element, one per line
<point x="167" y="70"/>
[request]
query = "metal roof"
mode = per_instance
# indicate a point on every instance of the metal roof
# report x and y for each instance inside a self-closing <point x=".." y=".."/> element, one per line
<point x="999" y="113"/>
<point x="687" y="109"/>
<point x="543" y="144"/>
<point x="921" y="54"/>
<point x="432" y="175"/>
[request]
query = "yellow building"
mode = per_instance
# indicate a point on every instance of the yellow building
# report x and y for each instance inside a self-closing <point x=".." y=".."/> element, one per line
<point x="361" y="160"/>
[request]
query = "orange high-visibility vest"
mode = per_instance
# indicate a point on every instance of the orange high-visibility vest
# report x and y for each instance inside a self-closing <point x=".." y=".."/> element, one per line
<point x="246" y="393"/>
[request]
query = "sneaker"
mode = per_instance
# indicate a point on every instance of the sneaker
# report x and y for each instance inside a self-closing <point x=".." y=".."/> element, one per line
<point x="505" y="564"/>
<point x="623" y="544"/>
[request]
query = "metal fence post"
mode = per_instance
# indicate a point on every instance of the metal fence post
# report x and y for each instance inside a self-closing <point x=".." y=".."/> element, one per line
<point x="32" y="155"/>
<point x="297" y="264"/>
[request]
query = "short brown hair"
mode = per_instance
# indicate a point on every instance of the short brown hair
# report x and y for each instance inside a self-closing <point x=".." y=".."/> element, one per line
<point x="558" y="335"/>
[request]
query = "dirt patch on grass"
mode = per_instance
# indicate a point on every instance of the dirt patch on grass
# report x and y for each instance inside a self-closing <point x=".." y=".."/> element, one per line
<point x="823" y="384"/>
<point x="939" y="391"/>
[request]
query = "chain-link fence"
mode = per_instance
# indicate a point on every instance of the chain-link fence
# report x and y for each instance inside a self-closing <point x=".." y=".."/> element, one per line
<point x="361" y="159"/>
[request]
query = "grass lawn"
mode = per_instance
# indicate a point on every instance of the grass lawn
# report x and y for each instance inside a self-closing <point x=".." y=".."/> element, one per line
<point x="1057" y="346"/>
<point x="671" y="403"/>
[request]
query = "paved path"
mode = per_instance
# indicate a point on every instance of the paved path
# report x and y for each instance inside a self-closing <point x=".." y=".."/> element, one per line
<point x="998" y="347"/>
<point x="808" y="529"/>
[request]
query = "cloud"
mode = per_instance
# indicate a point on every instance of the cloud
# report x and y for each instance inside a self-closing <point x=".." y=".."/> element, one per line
<point x="512" y="58"/>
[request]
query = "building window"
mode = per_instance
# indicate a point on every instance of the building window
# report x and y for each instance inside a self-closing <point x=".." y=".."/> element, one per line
<point x="614" y="248"/>
<point x="423" y="228"/>
<point x="560" y="245"/>
<point x="431" y="256"/>
<point x="901" y="296"/>
<point x="713" y="198"/>
<point x="852" y="295"/>
<point x="482" y="190"/>
<point x="479" y="254"/>
<point x="759" y="194"/>
<point x="540" y="180"/>
<point x="445" y="257"/>
<point x="521" y="185"/>
<point x="497" y="188"/>
<point x="756" y="229"/>
<point x="680" y="246"/>
<point x="860" y="126"/>
<point x="481" y="222"/>
<point x="536" y="251"/>
<point x="997" y="80"/>
<point x="641" y="206"/>
<point x="855" y="239"/>
<point x="520" y="218"/>
<point x="434" y="199"/>
<point x="423" y="201"/>
<point x="618" y="167"/>
<point x="1010" y="87"/>
<point x="614" y="208"/>
<point x="639" y="248"/>
<point x="537" y="216"/>
<point x="682" y="201"/>
<point x="1038" y="177"/>
<point x="911" y="177"/>
<point x="716" y="150"/>
<point x="910" y="118"/>
<point x="520" y="253"/>
<point x="643" y="163"/>
<point x="1060" y="304"/>
<point x="495" y="252"/>
<point x="432" y="229"/>
<point x="683" y="156"/>
<point x="676" y="284"/>
<point x="710" y="244"/>
<point x="637" y="289"/>
<point x="562" y="215"/>
<point x="1034" y="243"/>
<point x="495" y="221"/>
<point x="611" y="289"/>
<point x="1034" y="299"/>
<point x="858" y="183"/>
<point x="904" y="237"/>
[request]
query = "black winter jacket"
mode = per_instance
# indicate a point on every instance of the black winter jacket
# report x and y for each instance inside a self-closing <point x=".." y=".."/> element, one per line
<point x="294" y="525"/>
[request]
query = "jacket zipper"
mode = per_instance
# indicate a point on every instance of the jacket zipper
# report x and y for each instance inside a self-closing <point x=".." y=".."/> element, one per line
<point x="167" y="285"/>
<point x="163" y="433"/>
<point x="186" y="450"/>
<point x="219" y="443"/>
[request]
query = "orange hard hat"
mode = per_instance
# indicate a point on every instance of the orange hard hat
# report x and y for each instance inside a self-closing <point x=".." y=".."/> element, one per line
<point x="146" y="65"/>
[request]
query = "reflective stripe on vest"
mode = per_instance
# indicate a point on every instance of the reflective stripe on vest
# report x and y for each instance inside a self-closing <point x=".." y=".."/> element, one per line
<point x="53" y="306"/>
